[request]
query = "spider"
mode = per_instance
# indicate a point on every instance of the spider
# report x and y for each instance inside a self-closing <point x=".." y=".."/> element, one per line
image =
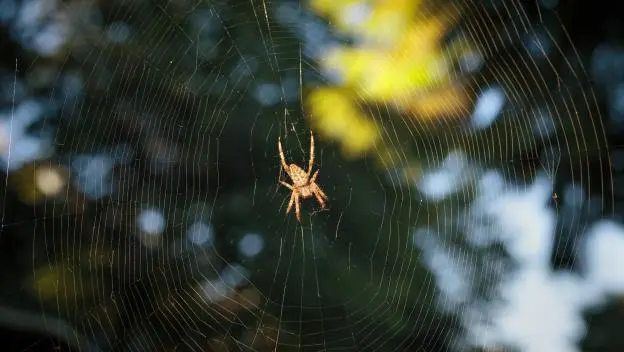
<point x="303" y="186"/>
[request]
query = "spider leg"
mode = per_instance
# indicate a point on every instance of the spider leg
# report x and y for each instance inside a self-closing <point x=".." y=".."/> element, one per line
<point x="323" y="194"/>
<point x="287" y="185"/>
<point x="313" y="179"/>
<point x="320" y="191"/>
<point x="311" y="162"/>
<point x="281" y="153"/>
<point x="292" y="201"/>
<point x="297" y="208"/>
<point x="319" y="198"/>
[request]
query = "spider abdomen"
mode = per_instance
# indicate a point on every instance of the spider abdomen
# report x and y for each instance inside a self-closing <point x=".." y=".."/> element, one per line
<point x="298" y="176"/>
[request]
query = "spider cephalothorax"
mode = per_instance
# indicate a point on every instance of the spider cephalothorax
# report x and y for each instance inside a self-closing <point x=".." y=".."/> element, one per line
<point x="303" y="186"/>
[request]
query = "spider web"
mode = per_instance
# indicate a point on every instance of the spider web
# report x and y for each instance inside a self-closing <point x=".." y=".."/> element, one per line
<point x="170" y="233"/>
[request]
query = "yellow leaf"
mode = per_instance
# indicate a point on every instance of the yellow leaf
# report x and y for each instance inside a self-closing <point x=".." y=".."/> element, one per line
<point x="449" y="101"/>
<point x="335" y="115"/>
<point x="390" y="80"/>
<point x="373" y="22"/>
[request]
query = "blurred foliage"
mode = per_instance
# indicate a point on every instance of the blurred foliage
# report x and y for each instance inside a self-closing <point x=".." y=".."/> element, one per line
<point x="399" y="60"/>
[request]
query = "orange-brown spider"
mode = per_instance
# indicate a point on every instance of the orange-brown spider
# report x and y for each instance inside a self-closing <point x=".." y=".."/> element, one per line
<point x="303" y="186"/>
